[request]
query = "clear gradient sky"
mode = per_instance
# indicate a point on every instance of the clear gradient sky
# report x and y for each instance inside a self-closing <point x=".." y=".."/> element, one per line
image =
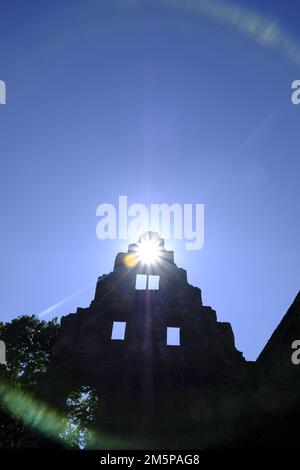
<point x="163" y="102"/>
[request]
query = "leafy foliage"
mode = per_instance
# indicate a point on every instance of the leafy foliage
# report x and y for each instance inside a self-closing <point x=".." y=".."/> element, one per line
<point x="80" y="417"/>
<point x="28" y="342"/>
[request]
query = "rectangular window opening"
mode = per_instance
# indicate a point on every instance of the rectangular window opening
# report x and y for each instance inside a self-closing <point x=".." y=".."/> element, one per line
<point x="141" y="282"/>
<point x="118" y="330"/>
<point x="147" y="282"/>
<point x="153" y="282"/>
<point x="173" y="336"/>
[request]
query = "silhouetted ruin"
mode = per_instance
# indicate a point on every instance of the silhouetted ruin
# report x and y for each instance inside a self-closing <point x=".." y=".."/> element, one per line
<point x="163" y="368"/>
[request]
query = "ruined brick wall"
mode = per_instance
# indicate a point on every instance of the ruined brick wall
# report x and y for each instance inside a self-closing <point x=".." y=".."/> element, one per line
<point x="134" y="376"/>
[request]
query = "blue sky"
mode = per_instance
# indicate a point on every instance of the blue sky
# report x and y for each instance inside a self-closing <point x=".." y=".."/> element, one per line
<point x="162" y="103"/>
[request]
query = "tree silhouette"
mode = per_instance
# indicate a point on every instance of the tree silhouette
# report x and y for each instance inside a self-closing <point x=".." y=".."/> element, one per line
<point x="28" y="342"/>
<point x="80" y="417"/>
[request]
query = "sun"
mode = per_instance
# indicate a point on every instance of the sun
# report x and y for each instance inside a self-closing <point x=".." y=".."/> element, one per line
<point x="148" y="251"/>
